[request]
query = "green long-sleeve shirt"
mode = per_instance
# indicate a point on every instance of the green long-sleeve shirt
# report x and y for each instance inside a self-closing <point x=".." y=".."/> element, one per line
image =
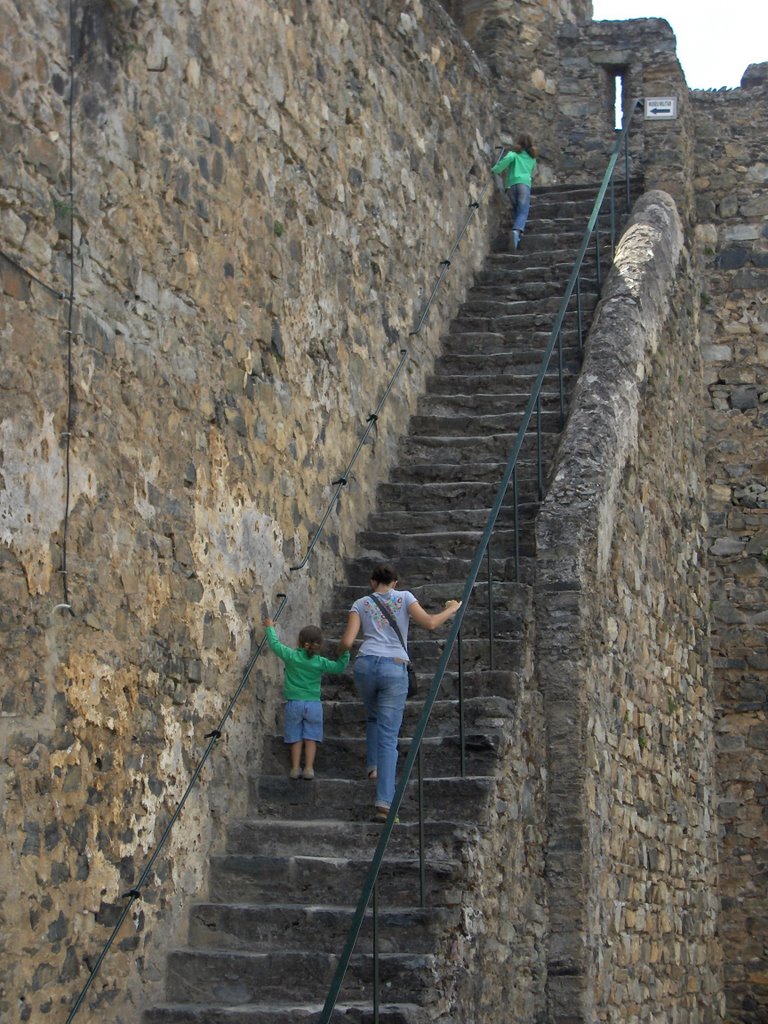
<point x="519" y="168"/>
<point x="303" y="674"/>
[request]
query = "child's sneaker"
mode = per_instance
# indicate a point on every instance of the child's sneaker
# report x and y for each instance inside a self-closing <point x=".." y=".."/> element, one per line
<point x="295" y="773"/>
<point x="308" y="774"/>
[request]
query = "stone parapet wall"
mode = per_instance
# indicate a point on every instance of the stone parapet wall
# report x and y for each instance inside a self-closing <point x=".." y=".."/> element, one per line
<point x="263" y="193"/>
<point x="731" y="183"/>
<point x="623" y="658"/>
<point x="494" y="962"/>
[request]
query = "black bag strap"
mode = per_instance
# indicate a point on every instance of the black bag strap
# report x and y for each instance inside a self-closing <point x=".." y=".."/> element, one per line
<point x="391" y="619"/>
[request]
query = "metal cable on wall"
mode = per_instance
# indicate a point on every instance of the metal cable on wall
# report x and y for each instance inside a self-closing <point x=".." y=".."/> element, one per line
<point x="70" y="298"/>
<point x="32" y="277"/>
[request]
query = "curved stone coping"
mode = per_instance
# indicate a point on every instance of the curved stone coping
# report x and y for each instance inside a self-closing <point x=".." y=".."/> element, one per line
<point x="602" y="424"/>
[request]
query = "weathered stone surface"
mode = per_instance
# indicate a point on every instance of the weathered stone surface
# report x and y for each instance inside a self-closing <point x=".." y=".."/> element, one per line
<point x="262" y="198"/>
<point x="732" y="200"/>
<point x="636" y="717"/>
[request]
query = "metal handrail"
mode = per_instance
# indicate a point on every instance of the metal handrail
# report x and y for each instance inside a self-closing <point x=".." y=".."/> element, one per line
<point x="135" y="893"/>
<point x="454" y="634"/>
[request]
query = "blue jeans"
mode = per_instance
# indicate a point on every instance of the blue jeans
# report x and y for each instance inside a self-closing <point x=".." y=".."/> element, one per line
<point x="302" y="720"/>
<point x="520" y="200"/>
<point x="383" y="686"/>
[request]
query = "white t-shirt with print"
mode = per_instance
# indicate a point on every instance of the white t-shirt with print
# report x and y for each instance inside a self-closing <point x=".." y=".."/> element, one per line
<point x="379" y="638"/>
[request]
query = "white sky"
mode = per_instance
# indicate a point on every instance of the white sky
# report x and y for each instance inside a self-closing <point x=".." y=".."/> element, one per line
<point x="715" y="40"/>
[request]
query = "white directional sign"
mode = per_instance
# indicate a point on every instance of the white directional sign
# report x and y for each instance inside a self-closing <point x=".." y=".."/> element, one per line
<point x="660" y="107"/>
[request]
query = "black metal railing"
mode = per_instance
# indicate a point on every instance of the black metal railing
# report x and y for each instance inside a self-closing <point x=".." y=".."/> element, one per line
<point x="368" y="894"/>
<point x="216" y="734"/>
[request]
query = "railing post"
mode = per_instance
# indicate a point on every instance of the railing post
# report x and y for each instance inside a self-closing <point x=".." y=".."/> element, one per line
<point x="375" y="928"/>
<point x="492" y="653"/>
<point x="462" y="744"/>
<point x="560" y="382"/>
<point x="422" y="857"/>
<point x="539" y="468"/>
<point x="517" y="524"/>
<point x="597" y="258"/>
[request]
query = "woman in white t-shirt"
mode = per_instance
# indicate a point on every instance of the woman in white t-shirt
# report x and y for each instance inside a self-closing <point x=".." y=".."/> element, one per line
<point x="381" y="671"/>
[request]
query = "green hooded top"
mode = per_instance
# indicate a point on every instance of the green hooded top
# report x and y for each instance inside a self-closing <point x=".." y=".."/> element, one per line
<point x="519" y="168"/>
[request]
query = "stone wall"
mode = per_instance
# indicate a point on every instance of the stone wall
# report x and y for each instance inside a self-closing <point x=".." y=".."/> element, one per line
<point x="518" y="42"/>
<point x="623" y="658"/>
<point x="641" y="53"/>
<point x="262" y="196"/>
<point x="731" y="183"/>
<point x="493" y="965"/>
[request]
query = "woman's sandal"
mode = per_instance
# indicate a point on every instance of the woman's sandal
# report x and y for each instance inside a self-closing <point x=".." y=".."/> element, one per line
<point x="380" y="815"/>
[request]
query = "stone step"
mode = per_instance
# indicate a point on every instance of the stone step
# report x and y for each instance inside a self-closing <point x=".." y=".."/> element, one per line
<point x="507" y="285"/>
<point x="491" y="343"/>
<point x="509" y="268"/>
<point x="565" y="207"/>
<point x="345" y="755"/>
<point x="425" y="475"/>
<point x="264" y="927"/>
<point x="482" y="469"/>
<point x="549" y="422"/>
<point x="342" y="688"/>
<point x="483" y="407"/>
<point x="549" y="218"/>
<point x="443" y="837"/>
<point x="508" y="620"/>
<point x="518" y="358"/>
<point x="232" y="978"/>
<point x="508" y="313"/>
<point x="521" y="322"/>
<point x="352" y="799"/>
<point x="548" y="241"/>
<point x="453" y="544"/>
<point x="460" y="449"/>
<point x="463" y="494"/>
<point x="425" y="648"/>
<point x="496" y="306"/>
<point x="420" y="570"/>
<point x="310" y="879"/>
<point x="507" y="594"/>
<point x="475" y="679"/>
<point x="482" y="385"/>
<point x="556" y="255"/>
<point x="408" y="521"/>
<point x="288" y="1012"/>
<point x="482" y="713"/>
<point x="474" y="378"/>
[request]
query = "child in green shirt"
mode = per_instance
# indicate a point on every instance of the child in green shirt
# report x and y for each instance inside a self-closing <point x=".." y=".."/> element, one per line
<point x="518" y="166"/>
<point x="303" y="712"/>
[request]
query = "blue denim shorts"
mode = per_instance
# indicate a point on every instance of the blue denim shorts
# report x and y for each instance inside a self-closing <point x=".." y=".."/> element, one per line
<point x="303" y="720"/>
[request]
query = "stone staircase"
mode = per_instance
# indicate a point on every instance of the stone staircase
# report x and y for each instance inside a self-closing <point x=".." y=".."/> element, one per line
<point x="263" y="946"/>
